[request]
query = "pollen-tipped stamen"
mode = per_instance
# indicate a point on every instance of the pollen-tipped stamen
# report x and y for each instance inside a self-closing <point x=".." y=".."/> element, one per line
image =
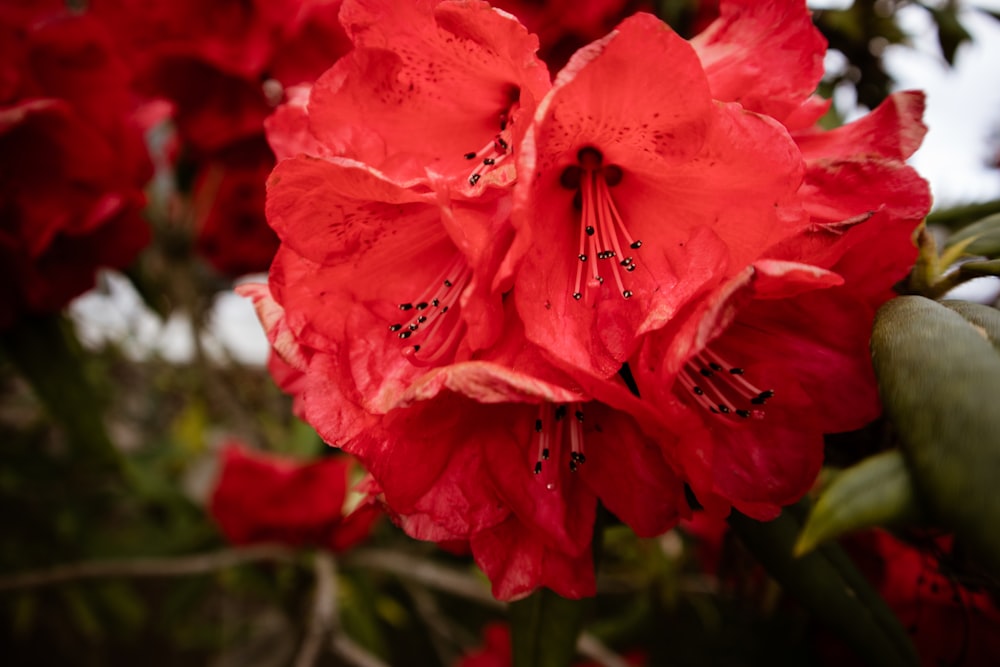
<point x="496" y="149"/>
<point x="551" y="430"/>
<point x="603" y="234"/>
<point x="721" y="387"/>
<point x="436" y="326"/>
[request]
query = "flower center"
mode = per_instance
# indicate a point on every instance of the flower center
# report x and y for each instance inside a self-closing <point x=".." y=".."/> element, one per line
<point x="496" y="149"/>
<point x="554" y="426"/>
<point x="721" y="388"/>
<point x="603" y="234"/>
<point x="434" y="327"/>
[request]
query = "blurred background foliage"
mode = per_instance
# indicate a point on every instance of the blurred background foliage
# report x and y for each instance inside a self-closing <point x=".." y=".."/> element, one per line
<point x="168" y="590"/>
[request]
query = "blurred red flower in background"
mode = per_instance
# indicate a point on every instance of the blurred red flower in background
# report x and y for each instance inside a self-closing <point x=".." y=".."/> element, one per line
<point x="224" y="66"/>
<point x="72" y="161"/>
<point x="267" y="498"/>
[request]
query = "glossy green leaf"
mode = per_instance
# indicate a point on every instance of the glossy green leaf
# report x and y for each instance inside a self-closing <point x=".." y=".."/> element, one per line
<point x="826" y="582"/>
<point x="939" y="379"/>
<point x="544" y="629"/>
<point x="876" y="492"/>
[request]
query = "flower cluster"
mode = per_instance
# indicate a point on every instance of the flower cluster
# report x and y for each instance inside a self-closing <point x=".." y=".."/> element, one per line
<point x="222" y="67"/>
<point x="72" y="160"/>
<point x="646" y="281"/>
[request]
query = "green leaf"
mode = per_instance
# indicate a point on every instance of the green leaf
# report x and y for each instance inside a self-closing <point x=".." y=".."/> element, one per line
<point x="971" y="270"/>
<point x="951" y="32"/>
<point x="544" y="629"/>
<point x="876" y="492"/>
<point x="939" y="379"/>
<point x="983" y="237"/>
<point x="984" y="317"/>
<point x="826" y="582"/>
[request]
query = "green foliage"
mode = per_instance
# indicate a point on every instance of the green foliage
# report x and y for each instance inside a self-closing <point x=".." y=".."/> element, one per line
<point x="876" y="492"/>
<point x="826" y="582"/>
<point x="939" y="379"/>
<point x="544" y="629"/>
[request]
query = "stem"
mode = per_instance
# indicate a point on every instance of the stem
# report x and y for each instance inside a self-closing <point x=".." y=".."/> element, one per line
<point x="324" y="612"/>
<point x="147" y="567"/>
<point x="426" y="572"/>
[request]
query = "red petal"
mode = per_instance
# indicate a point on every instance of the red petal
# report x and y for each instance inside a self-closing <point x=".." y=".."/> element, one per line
<point x="517" y="563"/>
<point x="768" y="56"/>
<point x="395" y="95"/>
<point x="893" y="130"/>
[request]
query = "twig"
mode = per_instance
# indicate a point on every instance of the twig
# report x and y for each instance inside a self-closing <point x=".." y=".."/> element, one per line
<point x="444" y="634"/>
<point x="324" y="611"/>
<point x="440" y="577"/>
<point x="347" y="649"/>
<point x="459" y="583"/>
<point x="594" y="649"/>
<point x="147" y="567"/>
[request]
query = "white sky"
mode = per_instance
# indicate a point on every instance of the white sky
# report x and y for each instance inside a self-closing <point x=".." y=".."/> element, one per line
<point x="963" y="112"/>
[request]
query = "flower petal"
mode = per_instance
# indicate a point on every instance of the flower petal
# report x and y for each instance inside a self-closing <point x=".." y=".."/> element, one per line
<point x="768" y="56"/>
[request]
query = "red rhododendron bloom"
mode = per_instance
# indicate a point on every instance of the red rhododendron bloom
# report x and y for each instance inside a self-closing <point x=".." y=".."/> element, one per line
<point x="210" y="59"/>
<point x="462" y="340"/>
<point x="442" y="86"/>
<point x="950" y="620"/>
<point x="72" y="165"/>
<point x="563" y="26"/>
<point x="265" y="498"/>
<point x="779" y="356"/>
<point x="223" y="66"/>
<point x="515" y="461"/>
<point x="495" y="651"/>
<point x="381" y="280"/>
<point x="231" y="231"/>
<point x="637" y="192"/>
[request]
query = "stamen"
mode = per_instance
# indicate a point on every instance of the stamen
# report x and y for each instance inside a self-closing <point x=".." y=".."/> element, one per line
<point x="496" y="149"/>
<point x="551" y="432"/>
<point x="721" y="388"/>
<point x="603" y="233"/>
<point x="436" y="332"/>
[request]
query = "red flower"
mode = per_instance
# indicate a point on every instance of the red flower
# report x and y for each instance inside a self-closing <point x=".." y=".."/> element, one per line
<point x="779" y="356"/>
<point x="72" y="165"/>
<point x="446" y="87"/>
<point x="767" y="56"/>
<point x="636" y="192"/>
<point x="380" y="280"/>
<point x="495" y="651"/>
<point x="228" y="200"/>
<point x="223" y="66"/>
<point x="515" y="461"/>
<point x="263" y="498"/>
<point x="563" y="26"/>
<point x="951" y="620"/>
<point x="948" y="621"/>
